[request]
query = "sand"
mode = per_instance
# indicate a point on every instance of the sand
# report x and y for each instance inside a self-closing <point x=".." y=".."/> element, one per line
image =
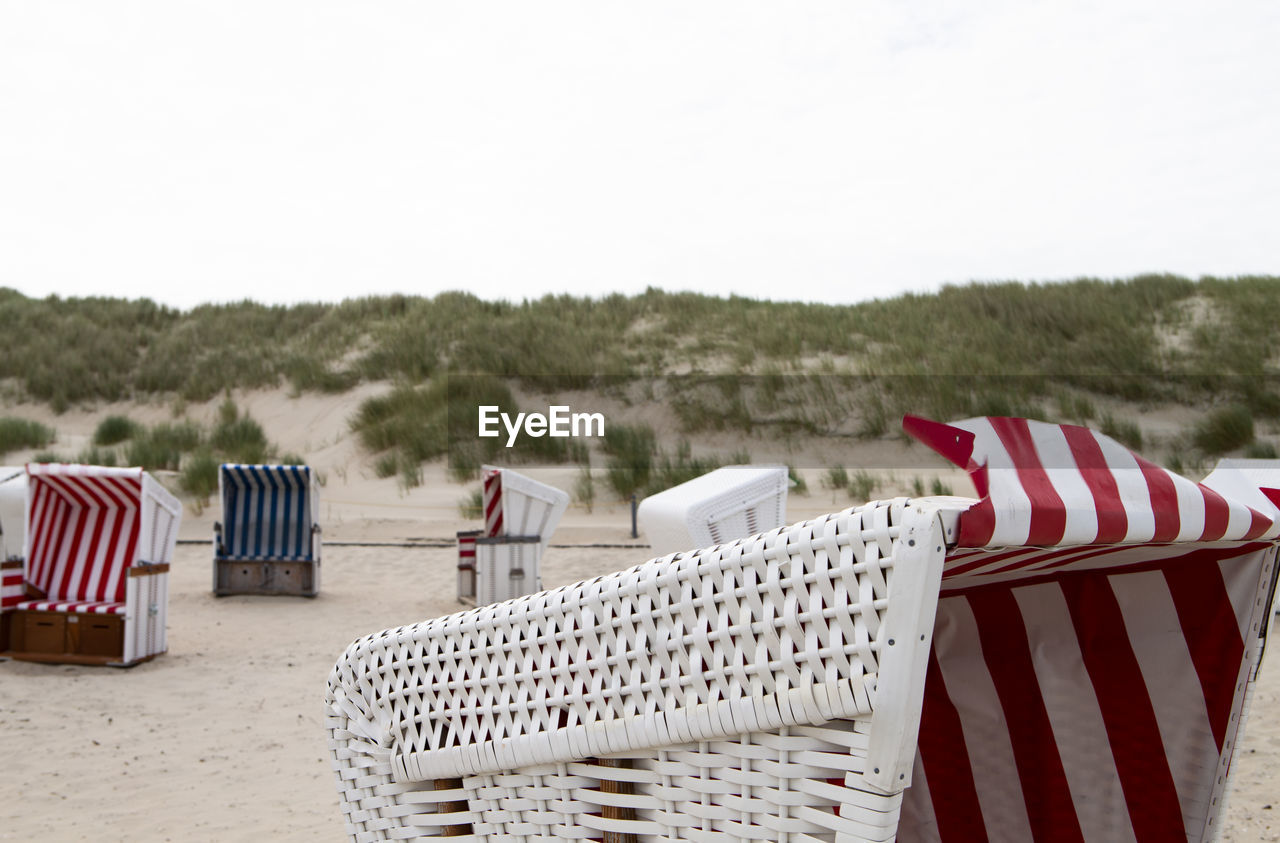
<point x="223" y="739"/>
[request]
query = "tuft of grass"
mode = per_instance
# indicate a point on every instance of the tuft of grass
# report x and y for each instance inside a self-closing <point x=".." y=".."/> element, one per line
<point x="94" y="455"/>
<point x="631" y="451"/>
<point x="290" y="458"/>
<point x="241" y="440"/>
<point x="861" y="486"/>
<point x="199" y="476"/>
<point x="183" y="436"/>
<point x="17" y="434"/>
<point x="1123" y="431"/>
<point x="386" y="466"/>
<point x="1225" y="429"/>
<point x="472" y="506"/>
<point x="584" y="488"/>
<point x="937" y="487"/>
<point x="1259" y="450"/>
<point x="113" y="430"/>
<point x="48" y="456"/>
<point x="798" y="484"/>
<point x="836" y="478"/>
<point x="152" y="454"/>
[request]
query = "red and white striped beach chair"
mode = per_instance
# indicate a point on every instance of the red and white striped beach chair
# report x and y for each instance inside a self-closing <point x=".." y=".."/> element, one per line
<point x="1067" y="657"/>
<point x="98" y="546"/>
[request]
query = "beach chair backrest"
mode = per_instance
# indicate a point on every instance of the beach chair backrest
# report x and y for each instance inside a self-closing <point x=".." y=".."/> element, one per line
<point x="1098" y="628"/>
<point x="723" y="505"/>
<point x="703" y="652"/>
<point x="268" y="511"/>
<point x="87" y="525"/>
<point x="516" y="505"/>
<point x="13" y="501"/>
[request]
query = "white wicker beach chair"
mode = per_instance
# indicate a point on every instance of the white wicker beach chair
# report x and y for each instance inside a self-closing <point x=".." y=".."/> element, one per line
<point x="268" y="541"/>
<point x="98" y="545"/>
<point x="1066" y="657"/>
<point x="520" y="515"/>
<point x="726" y="504"/>
<point x="13" y="498"/>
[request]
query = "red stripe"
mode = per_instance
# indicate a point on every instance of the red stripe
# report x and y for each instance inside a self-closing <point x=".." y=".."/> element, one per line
<point x="1216" y="514"/>
<point x="1164" y="500"/>
<point x="130" y="551"/>
<point x="1259" y="524"/>
<point x="42" y="507"/>
<point x="976" y="525"/>
<point x="946" y="763"/>
<point x="1130" y="720"/>
<point x="1008" y="658"/>
<point x="74" y="515"/>
<point x="95" y="560"/>
<point x="1209" y="625"/>
<point x="110" y="586"/>
<point x="1057" y="574"/>
<point x="970" y="563"/>
<point x="1113" y="522"/>
<point x="1048" y="515"/>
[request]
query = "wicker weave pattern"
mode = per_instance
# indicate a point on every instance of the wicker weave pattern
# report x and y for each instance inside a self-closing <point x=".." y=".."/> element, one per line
<point x="728" y="691"/>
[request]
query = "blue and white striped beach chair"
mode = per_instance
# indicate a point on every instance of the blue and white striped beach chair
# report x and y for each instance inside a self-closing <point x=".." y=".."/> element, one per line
<point x="269" y="538"/>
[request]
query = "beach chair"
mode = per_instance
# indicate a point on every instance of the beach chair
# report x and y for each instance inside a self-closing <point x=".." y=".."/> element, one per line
<point x="268" y="541"/>
<point x="1066" y="657"/>
<point x="97" y="548"/>
<point x="13" y="498"/>
<point x="726" y="504"/>
<point x="520" y="516"/>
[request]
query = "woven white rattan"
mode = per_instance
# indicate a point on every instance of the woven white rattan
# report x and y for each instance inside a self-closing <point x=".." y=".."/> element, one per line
<point x="767" y="689"/>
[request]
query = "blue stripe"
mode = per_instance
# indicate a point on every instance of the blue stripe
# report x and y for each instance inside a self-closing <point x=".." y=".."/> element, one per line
<point x="255" y="527"/>
<point x="303" y="542"/>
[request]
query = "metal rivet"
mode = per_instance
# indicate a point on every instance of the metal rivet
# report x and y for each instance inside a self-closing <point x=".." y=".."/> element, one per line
<point x="921" y="637"/>
<point x="877" y="769"/>
<point x="890" y="642"/>
<point x="911" y="542"/>
<point x="901" y="776"/>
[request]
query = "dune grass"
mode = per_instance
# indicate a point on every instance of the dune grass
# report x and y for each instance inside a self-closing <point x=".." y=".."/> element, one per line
<point x="17" y="434"/>
<point x="1054" y="351"/>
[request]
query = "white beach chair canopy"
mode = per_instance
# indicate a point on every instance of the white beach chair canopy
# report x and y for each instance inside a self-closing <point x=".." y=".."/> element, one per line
<point x="729" y="503"/>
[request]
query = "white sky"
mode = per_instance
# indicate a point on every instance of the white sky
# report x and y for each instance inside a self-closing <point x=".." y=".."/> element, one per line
<point x="827" y="151"/>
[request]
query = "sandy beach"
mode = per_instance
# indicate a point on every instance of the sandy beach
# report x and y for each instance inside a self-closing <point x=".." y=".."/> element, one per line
<point x="223" y="739"/>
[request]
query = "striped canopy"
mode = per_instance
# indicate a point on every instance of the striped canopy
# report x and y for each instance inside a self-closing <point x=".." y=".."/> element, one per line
<point x="1054" y="485"/>
<point x="83" y="526"/>
<point x="267" y="511"/>
<point x="1097" y="626"/>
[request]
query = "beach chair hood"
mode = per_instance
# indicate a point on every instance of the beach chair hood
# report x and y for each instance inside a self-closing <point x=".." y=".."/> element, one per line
<point x="1099" y="624"/>
<point x="87" y="525"/>
<point x="269" y="511"/>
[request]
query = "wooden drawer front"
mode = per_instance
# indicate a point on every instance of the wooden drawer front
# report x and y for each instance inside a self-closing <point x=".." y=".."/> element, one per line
<point x="100" y="635"/>
<point x="41" y="632"/>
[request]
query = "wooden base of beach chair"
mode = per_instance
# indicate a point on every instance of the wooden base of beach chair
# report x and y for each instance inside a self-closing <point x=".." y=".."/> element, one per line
<point x="269" y="577"/>
<point x="68" y="638"/>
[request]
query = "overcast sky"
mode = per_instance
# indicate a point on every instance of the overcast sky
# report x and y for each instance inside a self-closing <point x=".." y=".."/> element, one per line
<point x="296" y="150"/>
